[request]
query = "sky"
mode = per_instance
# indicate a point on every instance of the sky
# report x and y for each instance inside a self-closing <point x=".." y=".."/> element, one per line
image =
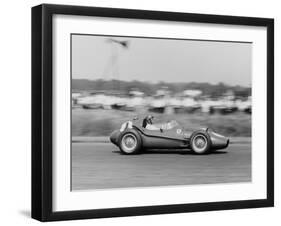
<point x="155" y="60"/>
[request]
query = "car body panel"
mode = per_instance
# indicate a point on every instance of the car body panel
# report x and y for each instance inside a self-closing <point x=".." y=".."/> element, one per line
<point x="165" y="139"/>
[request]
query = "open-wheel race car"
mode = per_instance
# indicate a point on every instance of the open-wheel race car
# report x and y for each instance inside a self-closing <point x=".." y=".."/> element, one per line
<point x="141" y="134"/>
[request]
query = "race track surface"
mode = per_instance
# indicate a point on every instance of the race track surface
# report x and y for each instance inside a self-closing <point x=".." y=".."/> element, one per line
<point x="101" y="165"/>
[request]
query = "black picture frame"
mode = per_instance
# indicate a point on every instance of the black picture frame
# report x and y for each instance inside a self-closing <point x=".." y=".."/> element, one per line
<point x="42" y="111"/>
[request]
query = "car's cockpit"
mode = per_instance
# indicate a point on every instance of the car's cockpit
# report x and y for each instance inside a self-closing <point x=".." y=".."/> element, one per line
<point x="148" y="124"/>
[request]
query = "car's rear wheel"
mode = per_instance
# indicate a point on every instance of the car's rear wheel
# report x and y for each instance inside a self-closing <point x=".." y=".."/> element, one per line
<point x="200" y="143"/>
<point x="130" y="143"/>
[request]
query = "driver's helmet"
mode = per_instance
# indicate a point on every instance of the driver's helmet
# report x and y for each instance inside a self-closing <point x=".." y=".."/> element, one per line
<point x="149" y="119"/>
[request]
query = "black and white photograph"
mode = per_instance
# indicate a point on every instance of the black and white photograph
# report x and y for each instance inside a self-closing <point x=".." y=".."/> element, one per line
<point x="152" y="112"/>
<point x="142" y="112"/>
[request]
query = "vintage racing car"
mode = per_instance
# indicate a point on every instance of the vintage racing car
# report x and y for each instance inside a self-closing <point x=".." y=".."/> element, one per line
<point x="141" y="134"/>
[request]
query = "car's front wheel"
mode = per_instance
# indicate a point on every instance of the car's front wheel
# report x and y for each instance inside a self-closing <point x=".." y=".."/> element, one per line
<point x="200" y="143"/>
<point x="130" y="143"/>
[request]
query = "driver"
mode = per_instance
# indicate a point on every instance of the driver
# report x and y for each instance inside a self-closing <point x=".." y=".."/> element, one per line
<point x="148" y="124"/>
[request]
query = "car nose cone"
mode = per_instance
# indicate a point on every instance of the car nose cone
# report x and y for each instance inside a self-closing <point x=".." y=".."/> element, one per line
<point x="114" y="136"/>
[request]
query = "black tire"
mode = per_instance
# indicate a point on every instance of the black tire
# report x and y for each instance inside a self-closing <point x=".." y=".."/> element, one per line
<point x="200" y="143"/>
<point x="130" y="142"/>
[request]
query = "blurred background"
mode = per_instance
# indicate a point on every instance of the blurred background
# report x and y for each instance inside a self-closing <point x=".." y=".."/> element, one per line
<point x="98" y="109"/>
<point x="198" y="83"/>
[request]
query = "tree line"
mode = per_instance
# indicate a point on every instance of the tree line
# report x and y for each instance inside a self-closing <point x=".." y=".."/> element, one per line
<point x="212" y="90"/>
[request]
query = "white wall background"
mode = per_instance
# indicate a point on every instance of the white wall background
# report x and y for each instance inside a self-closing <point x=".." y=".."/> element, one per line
<point x="15" y="124"/>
